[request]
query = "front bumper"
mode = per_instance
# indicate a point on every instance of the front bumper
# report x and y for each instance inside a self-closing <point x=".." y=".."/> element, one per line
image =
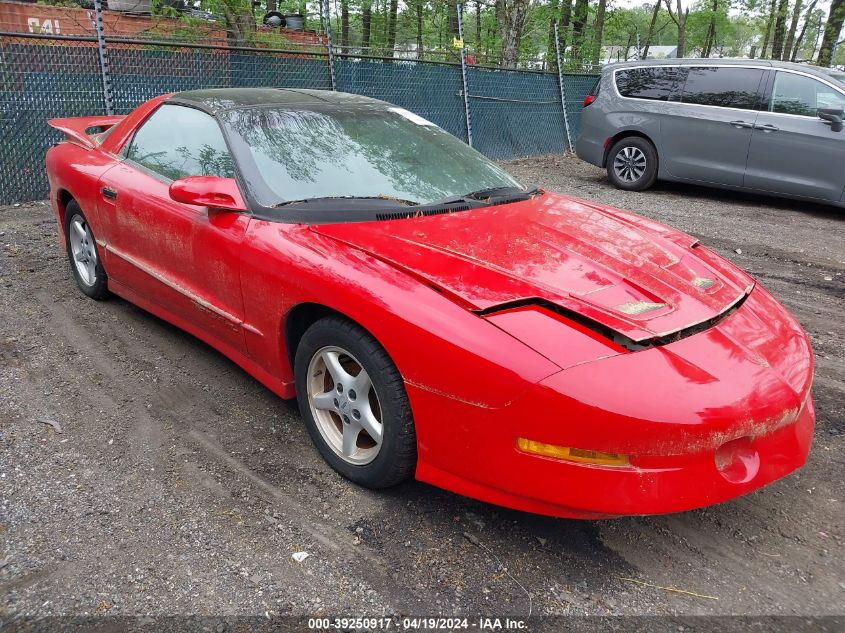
<point x="703" y="420"/>
<point x="651" y="485"/>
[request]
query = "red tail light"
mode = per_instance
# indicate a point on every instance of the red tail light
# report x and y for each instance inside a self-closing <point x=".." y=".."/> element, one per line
<point x="588" y="100"/>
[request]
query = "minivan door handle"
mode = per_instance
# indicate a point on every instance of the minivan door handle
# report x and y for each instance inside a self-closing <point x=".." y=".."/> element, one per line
<point x="766" y="127"/>
<point x="740" y="124"/>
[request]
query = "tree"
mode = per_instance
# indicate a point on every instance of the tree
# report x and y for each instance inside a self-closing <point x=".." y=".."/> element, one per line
<point x="391" y="26"/>
<point x="598" y="31"/>
<point x="512" y="15"/>
<point x="710" y="37"/>
<point x="551" y="57"/>
<point x="563" y="25"/>
<point x="366" y="24"/>
<point x="769" y="23"/>
<point x="654" y="13"/>
<point x="832" y="31"/>
<point x="452" y="16"/>
<point x="579" y="22"/>
<point x="790" y="38"/>
<point x="344" y="24"/>
<point x="239" y="19"/>
<point x="679" y="17"/>
<point x="800" y="39"/>
<point x="478" y="25"/>
<point x="780" y="29"/>
<point x="420" y="6"/>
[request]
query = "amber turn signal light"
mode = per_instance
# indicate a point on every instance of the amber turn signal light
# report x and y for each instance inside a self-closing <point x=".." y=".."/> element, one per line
<point x="567" y="454"/>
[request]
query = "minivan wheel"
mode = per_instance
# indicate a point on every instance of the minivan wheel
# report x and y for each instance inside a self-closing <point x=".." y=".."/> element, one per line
<point x="632" y="164"/>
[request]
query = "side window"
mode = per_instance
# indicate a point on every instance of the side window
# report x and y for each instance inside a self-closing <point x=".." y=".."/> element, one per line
<point x="657" y="83"/>
<point x="177" y="141"/>
<point x="797" y="94"/>
<point x="727" y="87"/>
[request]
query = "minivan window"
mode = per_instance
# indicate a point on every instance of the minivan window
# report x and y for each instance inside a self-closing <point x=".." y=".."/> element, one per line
<point x="797" y="94"/>
<point x="726" y="87"/>
<point x="655" y="83"/>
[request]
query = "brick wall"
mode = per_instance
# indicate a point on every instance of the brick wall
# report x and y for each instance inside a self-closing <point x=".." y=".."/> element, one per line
<point x="25" y="17"/>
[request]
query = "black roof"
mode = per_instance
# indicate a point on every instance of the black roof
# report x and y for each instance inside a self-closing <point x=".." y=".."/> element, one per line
<point x="216" y="100"/>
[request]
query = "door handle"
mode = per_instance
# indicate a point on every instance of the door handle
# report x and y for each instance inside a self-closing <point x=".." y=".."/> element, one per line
<point x="109" y="193"/>
<point x="739" y="124"/>
<point x="766" y="127"/>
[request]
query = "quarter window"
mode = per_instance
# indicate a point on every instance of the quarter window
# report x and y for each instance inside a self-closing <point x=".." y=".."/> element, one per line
<point x="797" y="94"/>
<point x="726" y="87"/>
<point x="657" y="83"/>
<point x="177" y="141"/>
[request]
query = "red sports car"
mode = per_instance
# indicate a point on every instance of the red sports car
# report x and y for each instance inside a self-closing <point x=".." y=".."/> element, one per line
<point x="434" y="317"/>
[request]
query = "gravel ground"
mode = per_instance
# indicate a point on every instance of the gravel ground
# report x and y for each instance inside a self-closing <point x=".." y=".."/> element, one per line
<point x="143" y="473"/>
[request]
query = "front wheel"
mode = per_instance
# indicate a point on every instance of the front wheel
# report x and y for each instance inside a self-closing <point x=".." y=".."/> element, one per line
<point x="354" y="404"/>
<point x="632" y="164"/>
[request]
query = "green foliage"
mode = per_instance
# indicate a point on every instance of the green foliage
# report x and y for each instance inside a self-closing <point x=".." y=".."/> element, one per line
<point x="733" y="25"/>
<point x="58" y="3"/>
<point x="272" y="39"/>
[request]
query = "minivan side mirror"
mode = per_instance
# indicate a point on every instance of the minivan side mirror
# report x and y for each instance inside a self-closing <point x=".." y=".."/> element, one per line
<point x="208" y="191"/>
<point x="834" y="116"/>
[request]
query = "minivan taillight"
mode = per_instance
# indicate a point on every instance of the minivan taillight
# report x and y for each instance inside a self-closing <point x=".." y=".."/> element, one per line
<point x="589" y="99"/>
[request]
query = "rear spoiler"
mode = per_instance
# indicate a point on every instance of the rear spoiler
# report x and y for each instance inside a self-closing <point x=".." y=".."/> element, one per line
<point x="76" y="129"/>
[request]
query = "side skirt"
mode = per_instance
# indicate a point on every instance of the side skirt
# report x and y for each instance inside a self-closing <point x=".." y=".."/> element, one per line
<point x="285" y="390"/>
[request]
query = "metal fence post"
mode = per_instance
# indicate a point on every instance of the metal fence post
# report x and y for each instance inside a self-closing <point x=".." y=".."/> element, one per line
<point x="562" y="89"/>
<point x="329" y="45"/>
<point x="104" y="57"/>
<point x="464" y="72"/>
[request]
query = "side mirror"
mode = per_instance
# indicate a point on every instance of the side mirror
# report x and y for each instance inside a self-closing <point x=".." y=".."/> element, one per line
<point x="832" y="115"/>
<point x="208" y="191"/>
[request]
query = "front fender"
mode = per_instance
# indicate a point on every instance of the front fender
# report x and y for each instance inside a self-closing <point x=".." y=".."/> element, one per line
<point x="437" y="345"/>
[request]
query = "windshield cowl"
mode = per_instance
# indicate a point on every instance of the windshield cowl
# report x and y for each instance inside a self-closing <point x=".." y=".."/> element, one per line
<point x="383" y="204"/>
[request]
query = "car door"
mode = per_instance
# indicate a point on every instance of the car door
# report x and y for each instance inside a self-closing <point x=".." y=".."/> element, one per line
<point x="705" y="137"/>
<point x="792" y="150"/>
<point x="182" y="257"/>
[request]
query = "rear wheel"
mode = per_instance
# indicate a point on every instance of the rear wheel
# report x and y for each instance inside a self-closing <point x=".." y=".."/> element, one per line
<point x="632" y="164"/>
<point x="83" y="254"/>
<point x="354" y="404"/>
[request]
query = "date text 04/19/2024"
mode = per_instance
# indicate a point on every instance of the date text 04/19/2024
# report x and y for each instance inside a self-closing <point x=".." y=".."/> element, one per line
<point x="418" y="624"/>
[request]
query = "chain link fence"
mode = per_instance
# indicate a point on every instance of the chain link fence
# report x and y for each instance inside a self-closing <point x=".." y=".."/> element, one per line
<point x="50" y="66"/>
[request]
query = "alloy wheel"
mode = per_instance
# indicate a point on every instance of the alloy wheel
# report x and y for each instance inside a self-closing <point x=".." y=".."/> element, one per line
<point x="345" y="405"/>
<point x="83" y="250"/>
<point x="629" y="164"/>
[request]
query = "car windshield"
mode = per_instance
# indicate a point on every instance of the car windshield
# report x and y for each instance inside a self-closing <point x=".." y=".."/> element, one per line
<point x="333" y="154"/>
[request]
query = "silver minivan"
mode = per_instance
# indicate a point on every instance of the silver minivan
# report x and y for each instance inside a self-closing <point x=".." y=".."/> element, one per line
<point x="754" y="125"/>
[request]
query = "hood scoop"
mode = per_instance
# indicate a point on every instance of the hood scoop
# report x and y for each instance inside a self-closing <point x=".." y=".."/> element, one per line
<point x="610" y="334"/>
<point x="639" y="307"/>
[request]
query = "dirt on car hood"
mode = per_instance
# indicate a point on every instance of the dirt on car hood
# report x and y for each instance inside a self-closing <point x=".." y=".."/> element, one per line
<point x="637" y="277"/>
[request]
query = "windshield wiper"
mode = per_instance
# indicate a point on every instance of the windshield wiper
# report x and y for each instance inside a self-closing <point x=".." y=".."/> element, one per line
<point x="491" y="193"/>
<point x="408" y="203"/>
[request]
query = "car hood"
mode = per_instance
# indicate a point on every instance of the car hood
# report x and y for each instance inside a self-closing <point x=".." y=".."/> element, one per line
<point x="639" y="278"/>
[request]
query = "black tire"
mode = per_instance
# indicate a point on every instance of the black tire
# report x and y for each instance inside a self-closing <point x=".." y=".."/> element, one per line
<point x="99" y="288"/>
<point x="639" y="147"/>
<point x="397" y="456"/>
